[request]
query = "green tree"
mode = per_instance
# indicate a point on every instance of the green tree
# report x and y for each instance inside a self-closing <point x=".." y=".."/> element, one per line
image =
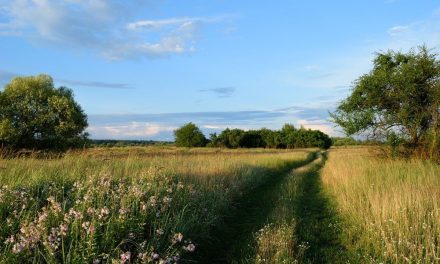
<point x="401" y="94"/>
<point x="289" y="136"/>
<point x="34" y="114"/>
<point x="189" y="135"/>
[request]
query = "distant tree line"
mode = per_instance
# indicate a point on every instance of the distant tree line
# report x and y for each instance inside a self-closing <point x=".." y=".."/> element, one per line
<point x="126" y="143"/>
<point x="290" y="137"/>
<point x="397" y="102"/>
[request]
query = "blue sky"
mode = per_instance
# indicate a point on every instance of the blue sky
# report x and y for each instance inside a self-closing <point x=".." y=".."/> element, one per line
<point x="144" y="68"/>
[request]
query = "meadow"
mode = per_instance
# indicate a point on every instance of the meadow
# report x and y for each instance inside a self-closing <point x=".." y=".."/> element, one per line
<point x="126" y="205"/>
<point x="391" y="208"/>
<point x="208" y="205"/>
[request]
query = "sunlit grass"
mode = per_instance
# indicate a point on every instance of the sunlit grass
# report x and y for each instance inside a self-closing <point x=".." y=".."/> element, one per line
<point x="124" y="205"/>
<point x="391" y="207"/>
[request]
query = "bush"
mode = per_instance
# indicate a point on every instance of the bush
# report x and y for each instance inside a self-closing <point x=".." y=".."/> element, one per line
<point x="189" y="135"/>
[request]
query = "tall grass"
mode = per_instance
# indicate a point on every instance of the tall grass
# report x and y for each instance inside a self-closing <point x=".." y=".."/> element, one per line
<point x="277" y="241"/>
<point x="123" y="206"/>
<point x="301" y="226"/>
<point x="391" y="207"/>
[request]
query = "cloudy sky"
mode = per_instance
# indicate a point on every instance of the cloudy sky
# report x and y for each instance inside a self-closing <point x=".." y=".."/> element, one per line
<point x="141" y="68"/>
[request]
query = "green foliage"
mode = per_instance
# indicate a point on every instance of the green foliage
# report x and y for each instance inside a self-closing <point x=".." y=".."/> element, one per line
<point x="34" y="114"/>
<point x="401" y="94"/>
<point x="189" y="135"/>
<point x="287" y="137"/>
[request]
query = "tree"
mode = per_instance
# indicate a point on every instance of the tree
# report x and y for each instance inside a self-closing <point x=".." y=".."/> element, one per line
<point x="401" y="95"/>
<point x="251" y="139"/>
<point x="34" y="114"/>
<point x="289" y="136"/>
<point x="189" y="135"/>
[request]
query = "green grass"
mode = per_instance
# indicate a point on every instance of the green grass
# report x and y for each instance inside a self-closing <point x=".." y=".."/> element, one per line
<point x="146" y="205"/>
<point x="84" y="208"/>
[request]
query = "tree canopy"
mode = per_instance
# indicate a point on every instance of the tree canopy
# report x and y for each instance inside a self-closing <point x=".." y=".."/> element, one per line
<point x="34" y="114"/>
<point x="189" y="135"/>
<point x="400" y="95"/>
<point x="287" y="137"/>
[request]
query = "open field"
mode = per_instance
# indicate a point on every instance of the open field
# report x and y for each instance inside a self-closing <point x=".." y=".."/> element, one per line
<point x="175" y="205"/>
<point x="391" y="207"/>
<point x="123" y="205"/>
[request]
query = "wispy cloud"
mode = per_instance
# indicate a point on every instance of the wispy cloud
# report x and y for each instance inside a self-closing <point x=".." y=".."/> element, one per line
<point x="95" y="84"/>
<point x="416" y="33"/>
<point x="101" y="25"/>
<point x="221" y="92"/>
<point x="6" y="76"/>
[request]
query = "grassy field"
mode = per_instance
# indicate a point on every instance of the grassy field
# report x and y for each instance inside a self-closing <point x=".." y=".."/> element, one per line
<point x="175" y="205"/>
<point x="126" y="205"/>
<point x="391" y="207"/>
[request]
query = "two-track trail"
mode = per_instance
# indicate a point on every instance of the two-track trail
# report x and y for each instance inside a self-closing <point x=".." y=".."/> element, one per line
<point x="288" y="219"/>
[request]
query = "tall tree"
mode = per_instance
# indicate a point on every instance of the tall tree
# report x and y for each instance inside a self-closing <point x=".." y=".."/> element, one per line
<point x="399" y="95"/>
<point x="35" y="114"/>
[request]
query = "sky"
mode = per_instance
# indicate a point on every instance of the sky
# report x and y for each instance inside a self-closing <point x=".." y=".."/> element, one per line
<point x="142" y="68"/>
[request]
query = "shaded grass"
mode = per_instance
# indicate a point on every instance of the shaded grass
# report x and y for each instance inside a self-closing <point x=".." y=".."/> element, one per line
<point x="318" y="228"/>
<point x="232" y="240"/>
<point x="289" y="219"/>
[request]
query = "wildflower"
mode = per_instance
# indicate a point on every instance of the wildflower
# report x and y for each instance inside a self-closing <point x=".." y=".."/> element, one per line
<point x="54" y="206"/>
<point x="123" y="212"/>
<point x="63" y="229"/>
<point x="53" y="240"/>
<point x="88" y="227"/>
<point x="160" y="231"/>
<point x="176" y="258"/>
<point x="143" y="206"/>
<point x="190" y="247"/>
<point x="152" y="201"/>
<point x="177" y="238"/>
<point x="143" y="257"/>
<point x="75" y="214"/>
<point x="154" y="256"/>
<point x="10" y="240"/>
<point x="125" y="257"/>
<point x="167" y="200"/>
<point x="103" y="213"/>
<point x="90" y="211"/>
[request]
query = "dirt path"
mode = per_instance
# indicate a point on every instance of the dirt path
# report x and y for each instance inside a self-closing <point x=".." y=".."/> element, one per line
<point x="318" y="225"/>
<point x="294" y="197"/>
<point x="248" y="215"/>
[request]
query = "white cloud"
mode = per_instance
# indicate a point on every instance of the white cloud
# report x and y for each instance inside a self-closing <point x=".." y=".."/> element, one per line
<point x="398" y="30"/>
<point x="321" y="125"/>
<point x="403" y="37"/>
<point x="101" y="25"/>
<point x="138" y="130"/>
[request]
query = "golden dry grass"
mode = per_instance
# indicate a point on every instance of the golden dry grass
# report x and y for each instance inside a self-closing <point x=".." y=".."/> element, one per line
<point x="391" y="207"/>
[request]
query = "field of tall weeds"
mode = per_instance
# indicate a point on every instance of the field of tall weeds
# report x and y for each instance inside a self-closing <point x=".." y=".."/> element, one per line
<point x="122" y="206"/>
<point x="391" y="207"/>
